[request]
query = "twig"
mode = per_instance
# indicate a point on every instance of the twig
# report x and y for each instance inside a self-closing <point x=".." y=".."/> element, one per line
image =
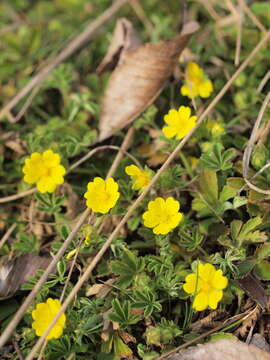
<point x="231" y="321"/>
<point x="252" y="17"/>
<point x="17" y="349"/>
<point x="136" y="203"/>
<point x="208" y="6"/>
<point x="263" y="82"/>
<point x="136" y="6"/>
<point x="250" y="145"/>
<point x="238" y="37"/>
<point x="7" y="235"/>
<point x="74" y="44"/>
<point x="104" y="147"/>
<point x="18" y="196"/>
<point x="27" y="103"/>
<point x="42" y="350"/>
<point x="122" y="151"/>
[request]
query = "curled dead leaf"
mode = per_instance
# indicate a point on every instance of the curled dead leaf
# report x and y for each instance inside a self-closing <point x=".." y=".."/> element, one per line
<point x="15" y="272"/>
<point x="224" y="349"/>
<point x="101" y="290"/>
<point x="124" y="38"/>
<point x="138" y="80"/>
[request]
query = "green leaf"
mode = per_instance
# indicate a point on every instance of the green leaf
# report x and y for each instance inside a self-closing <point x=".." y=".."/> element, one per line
<point x="262" y="270"/>
<point x="250" y="225"/>
<point x="245" y="267"/>
<point x="64" y="231"/>
<point x="236" y="226"/>
<point x="122" y="314"/>
<point x="146" y="300"/>
<point x="227" y="193"/>
<point x="239" y="201"/>
<point x="263" y="251"/>
<point x="128" y="267"/>
<point x="209" y="186"/>
<point x="217" y="160"/>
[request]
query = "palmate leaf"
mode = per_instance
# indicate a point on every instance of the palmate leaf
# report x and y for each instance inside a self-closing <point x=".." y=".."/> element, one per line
<point x="217" y="159"/>
<point x="241" y="232"/>
<point x="146" y="300"/>
<point x="127" y="268"/>
<point x="122" y="314"/>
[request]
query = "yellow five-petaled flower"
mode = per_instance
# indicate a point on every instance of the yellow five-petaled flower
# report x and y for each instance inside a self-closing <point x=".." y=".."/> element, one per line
<point x="206" y="285"/>
<point x="196" y="83"/>
<point x="140" y="178"/>
<point x="179" y="122"/>
<point x="163" y="215"/>
<point x="43" y="315"/>
<point x="101" y="195"/>
<point x="44" y="170"/>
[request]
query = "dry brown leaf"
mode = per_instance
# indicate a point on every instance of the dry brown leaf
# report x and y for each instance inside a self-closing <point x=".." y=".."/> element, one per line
<point x="209" y="321"/>
<point x="126" y="337"/>
<point x="138" y="80"/>
<point x="15" y="272"/>
<point x="249" y="323"/>
<point x="253" y="287"/>
<point x="101" y="290"/>
<point x="124" y="38"/>
<point x="224" y="349"/>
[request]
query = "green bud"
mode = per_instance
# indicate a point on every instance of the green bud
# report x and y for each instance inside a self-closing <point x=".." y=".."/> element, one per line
<point x="259" y="157"/>
<point x="152" y="335"/>
<point x="240" y="80"/>
<point x="241" y="99"/>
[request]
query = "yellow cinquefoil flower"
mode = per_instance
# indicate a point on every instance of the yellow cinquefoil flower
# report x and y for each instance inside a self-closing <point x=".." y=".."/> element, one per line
<point x="44" y="170"/>
<point x="162" y="215"/>
<point x="140" y="178"/>
<point x="196" y="83"/>
<point x="179" y="122"/>
<point x="43" y="316"/>
<point x="102" y="195"/>
<point x="207" y="285"/>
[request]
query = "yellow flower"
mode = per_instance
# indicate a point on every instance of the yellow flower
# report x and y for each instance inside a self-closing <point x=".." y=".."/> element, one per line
<point x="44" y="170"/>
<point x="196" y="83"/>
<point x="179" y="122"/>
<point x="207" y="285"/>
<point x="140" y="178"/>
<point x="43" y="316"/>
<point x="102" y="195"/>
<point x="162" y="215"/>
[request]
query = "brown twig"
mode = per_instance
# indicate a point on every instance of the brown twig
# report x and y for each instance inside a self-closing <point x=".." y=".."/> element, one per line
<point x="17" y="196"/>
<point x="7" y="235"/>
<point x="74" y="44"/>
<point x="229" y="322"/>
<point x="238" y="37"/>
<point x="252" y="17"/>
<point x="250" y="145"/>
<point x="136" y="6"/>
<point x="136" y="203"/>
<point x="263" y="82"/>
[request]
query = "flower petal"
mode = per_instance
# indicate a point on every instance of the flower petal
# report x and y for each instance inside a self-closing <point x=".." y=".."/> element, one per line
<point x="201" y="301"/>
